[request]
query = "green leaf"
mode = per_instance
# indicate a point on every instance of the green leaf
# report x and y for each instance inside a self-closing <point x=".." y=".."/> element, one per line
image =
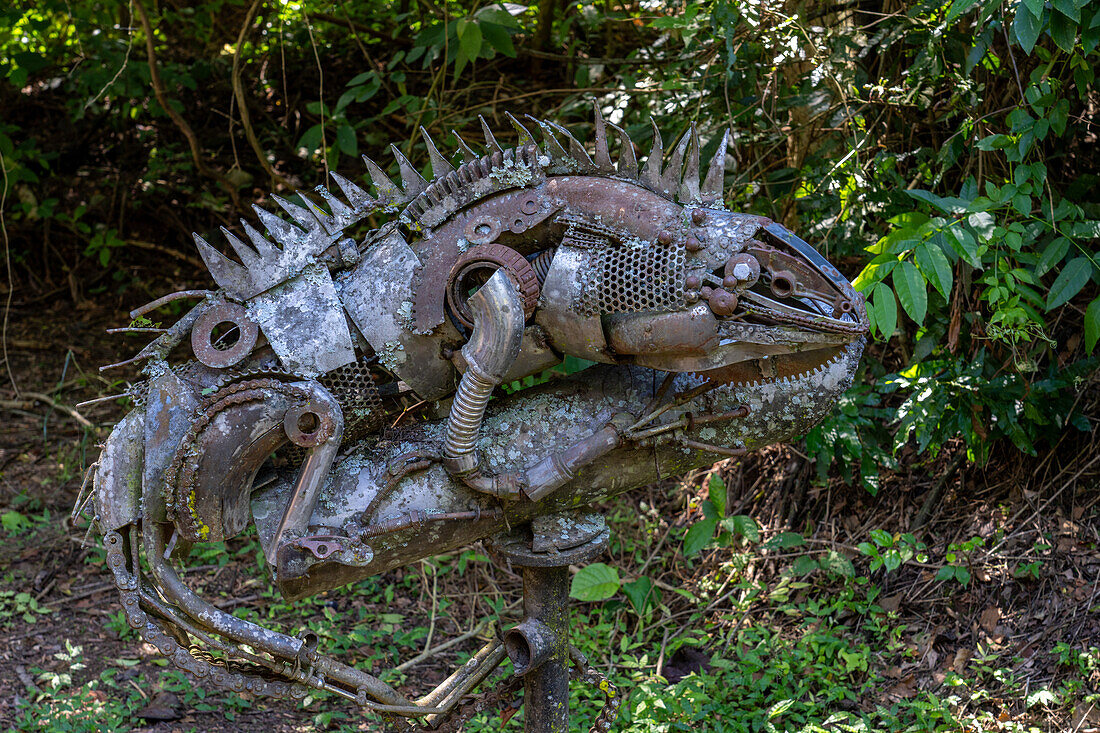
<point x="804" y="564"/>
<point x="834" y="562"/>
<point x="1092" y="325"/>
<point x="345" y="138"/>
<point x="499" y="38"/>
<point x="1026" y="28"/>
<point x="935" y="267"/>
<point x="641" y="592"/>
<point x="885" y="311"/>
<point x="786" y="540"/>
<point x="1068" y="8"/>
<point x="1063" y="30"/>
<point x="983" y="223"/>
<point x="947" y="572"/>
<point x="716" y="492"/>
<point x="469" y="38"/>
<point x="1035" y="6"/>
<point x="1069" y="281"/>
<point x="959" y="7"/>
<point x="1052" y="255"/>
<point x="595" y="582"/>
<point x="743" y="525"/>
<point x="964" y="244"/>
<point x="962" y="575"/>
<point x="911" y="290"/>
<point x="699" y="535"/>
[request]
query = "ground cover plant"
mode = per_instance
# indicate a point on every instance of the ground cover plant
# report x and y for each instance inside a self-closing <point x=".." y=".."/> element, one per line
<point x="926" y="559"/>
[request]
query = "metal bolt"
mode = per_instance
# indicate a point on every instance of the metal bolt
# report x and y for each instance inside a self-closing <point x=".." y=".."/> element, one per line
<point x="693" y="244"/>
<point x="692" y="282"/>
<point x="664" y="237"/>
<point x="722" y="302"/>
<point x="698" y="216"/>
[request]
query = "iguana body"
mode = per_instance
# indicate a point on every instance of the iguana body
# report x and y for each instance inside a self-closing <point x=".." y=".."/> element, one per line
<point x="494" y="270"/>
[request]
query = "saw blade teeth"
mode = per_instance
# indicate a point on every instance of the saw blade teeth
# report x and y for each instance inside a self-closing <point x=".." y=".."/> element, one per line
<point x="298" y="213"/>
<point x="265" y="248"/>
<point x="651" y="173"/>
<point x="342" y="214"/>
<point x="359" y="199"/>
<point x="283" y="231"/>
<point x="327" y="221"/>
<point x="388" y="192"/>
<point x="468" y="154"/>
<point x="411" y="181"/>
<point x="601" y="156"/>
<point x="711" y="192"/>
<point x="248" y="256"/>
<point x="628" y="161"/>
<point x="525" y="136"/>
<point x="689" y="185"/>
<point x="550" y="144"/>
<point x="490" y="141"/>
<point x="440" y="165"/>
<point x="670" y="178"/>
<point x="576" y="153"/>
<point x="226" y="273"/>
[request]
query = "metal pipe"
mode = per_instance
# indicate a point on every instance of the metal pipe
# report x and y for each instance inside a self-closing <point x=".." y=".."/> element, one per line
<point x="498" y="316"/>
<point x="475" y="669"/>
<point x="528" y="644"/>
<point x="546" y="687"/>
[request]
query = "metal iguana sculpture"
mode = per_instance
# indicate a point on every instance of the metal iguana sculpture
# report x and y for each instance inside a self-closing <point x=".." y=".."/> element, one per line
<point x="715" y="333"/>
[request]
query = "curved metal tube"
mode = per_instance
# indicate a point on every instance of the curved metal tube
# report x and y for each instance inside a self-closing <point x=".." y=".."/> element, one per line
<point x="498" y="331"/>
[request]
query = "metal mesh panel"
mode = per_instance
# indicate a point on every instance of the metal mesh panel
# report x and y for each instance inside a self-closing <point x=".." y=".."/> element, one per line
<point x="353" y="387"/>
<point x="633" y="277"/>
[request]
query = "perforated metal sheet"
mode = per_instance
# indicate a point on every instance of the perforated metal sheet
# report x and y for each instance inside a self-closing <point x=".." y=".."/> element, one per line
<point x="635" y="277"/>
<point x="354" y="388"/>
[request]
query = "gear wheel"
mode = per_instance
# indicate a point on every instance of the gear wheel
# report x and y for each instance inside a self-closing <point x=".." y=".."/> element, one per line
<point x="476" y="265"/>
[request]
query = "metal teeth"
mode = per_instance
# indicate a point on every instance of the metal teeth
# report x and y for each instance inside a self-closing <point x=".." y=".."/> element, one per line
<point x="525" y="136"/>
<point x="411" y="180"/>
<point x="388" y="192"/>
<point x="468" y="154"/>
<point x="628" y="162"/>
<point x="248" y="256"/>
<point x="670" y="177"/>
<point x="689" y="185"/>
<point x="576" y="151"/>
<point x="263" y="247"/>
<point x="711" y="192"/>
<point x="601" y="157"/>
<point x="651" y="173"/>
<point x="490" y="141"/>
<point x="440" y="165"/>
<point x="551" y="146"/>
<point x="226" y="273"/>
<point x="283" y="231"/>
<point x="327" y="222"/>
<point x="342" y="214"/>
<point x="359" y="199"/>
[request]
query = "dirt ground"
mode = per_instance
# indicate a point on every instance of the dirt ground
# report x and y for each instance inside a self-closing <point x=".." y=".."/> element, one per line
<point x="54" y="348"/>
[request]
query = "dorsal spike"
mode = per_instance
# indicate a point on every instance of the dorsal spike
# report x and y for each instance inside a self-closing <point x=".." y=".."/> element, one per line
<point x="711" y="192"/>
<point x="411" y="180"/>
<point x="248" y="256"/>
<point x="297" y="213"/>
<point x="283" y="231"/>
<point x="263" y="247"/>
<point x="468" y="154"/>
<point x="670" y="178"/>
<point x="226" y="273"/>
<point x="327" y="221"/>
<point x="601" y="156"/>
<point x="550" y="143"/>
<point x="651" y="174"/>
<point x="689" y="185"/>
<point x="359" y="199"/>
<point x="342" y="214"/>
<point x="576" y="151"/>
<point x="628" y="161"/>
<point x="440" y="165"/>
<point x="388" y="192"/>
<point x="525" y="136"/>
<point x="490" y="141"/>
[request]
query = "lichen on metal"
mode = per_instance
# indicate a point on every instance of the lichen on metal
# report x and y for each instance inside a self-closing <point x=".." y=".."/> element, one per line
<point x="496" y="269"/>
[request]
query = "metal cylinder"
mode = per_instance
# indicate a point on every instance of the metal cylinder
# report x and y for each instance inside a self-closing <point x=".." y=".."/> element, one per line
<point x="528" y="644"/>
<point x="546" y="687"/>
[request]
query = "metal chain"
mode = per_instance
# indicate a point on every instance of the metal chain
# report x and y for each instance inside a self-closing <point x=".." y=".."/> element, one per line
<point x="609" y="713"/>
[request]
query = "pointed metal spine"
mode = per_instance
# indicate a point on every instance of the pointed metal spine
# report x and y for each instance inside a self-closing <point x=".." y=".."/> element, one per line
<point x="525" y="136"/>
<point x="359" y="199"/>
<point x="490" y="141"/>
<point x="248" y="256"/>
<point x="388" y="192"/>
<point x="628" y="161"/>
<point x="576" y="151"/>
<point x="689" y="186"/>
<point x="711" y="192"/>
<point x="327" y="221"/>
<point x="284" y="232"/>
<point x="342" y="214"/>
<point x="226" y="273"/>
<point x="263" y="247"/>
<point x="411" y="181"/>
<point x="670" y="178"/>
<point x="440" y="165"/>
<point x="651" y="173"/>
<point x="601" y="156"/>
<point x="550" y="144"/>
<point x="468" y="154"/>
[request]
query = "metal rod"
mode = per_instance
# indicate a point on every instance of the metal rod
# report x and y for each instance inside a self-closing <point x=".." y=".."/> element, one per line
<point x="152" y="305"/>
<point x="546" y="688"/>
